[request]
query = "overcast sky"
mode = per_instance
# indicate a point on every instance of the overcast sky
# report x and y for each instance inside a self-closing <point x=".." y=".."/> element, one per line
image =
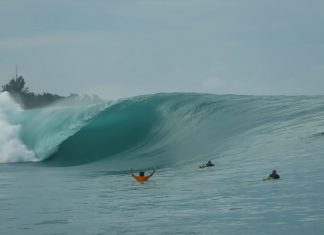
<point x="123" y="48"/>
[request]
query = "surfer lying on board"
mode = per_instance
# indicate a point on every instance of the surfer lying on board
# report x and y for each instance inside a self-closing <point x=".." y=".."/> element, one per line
<point x="273" y="176"/>
<point x="142" y="177"/>
<point x="208" y="164"/>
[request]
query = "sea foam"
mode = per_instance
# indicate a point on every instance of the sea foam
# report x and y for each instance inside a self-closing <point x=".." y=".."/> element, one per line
<point x="11" y="147"/>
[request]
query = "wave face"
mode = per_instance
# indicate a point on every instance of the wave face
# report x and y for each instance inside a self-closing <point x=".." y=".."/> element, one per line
<point x="167" y="129"/>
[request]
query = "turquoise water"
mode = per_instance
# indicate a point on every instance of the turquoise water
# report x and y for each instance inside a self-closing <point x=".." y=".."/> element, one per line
<point x="66" y="169"/>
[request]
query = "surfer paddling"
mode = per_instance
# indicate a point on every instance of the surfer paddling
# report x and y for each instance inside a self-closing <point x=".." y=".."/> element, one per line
<point x="208" y="164"/>
<point x="273" y="176"/>
<point x="142" y="177"/>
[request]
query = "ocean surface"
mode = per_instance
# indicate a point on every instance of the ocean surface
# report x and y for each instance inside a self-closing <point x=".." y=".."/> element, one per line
<point x="65" y="169"/>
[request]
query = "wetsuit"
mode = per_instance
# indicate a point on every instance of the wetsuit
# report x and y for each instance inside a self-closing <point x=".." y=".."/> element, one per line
<point x="274" y="176"/>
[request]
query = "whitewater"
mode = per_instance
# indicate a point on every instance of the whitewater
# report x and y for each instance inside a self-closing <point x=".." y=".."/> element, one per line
<point x="65" y="168"/>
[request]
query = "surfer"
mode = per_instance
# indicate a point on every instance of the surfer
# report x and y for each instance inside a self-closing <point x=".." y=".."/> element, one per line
<point x="274" y="175"/>
<point x="142" y="177"/>
<point x="208" y="164"/>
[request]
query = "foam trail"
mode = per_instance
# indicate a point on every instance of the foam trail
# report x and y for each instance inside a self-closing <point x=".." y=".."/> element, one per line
<point x="11" y="148"/>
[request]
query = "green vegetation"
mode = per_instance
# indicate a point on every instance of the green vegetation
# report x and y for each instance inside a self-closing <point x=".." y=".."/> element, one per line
<point x="28" y="100"/>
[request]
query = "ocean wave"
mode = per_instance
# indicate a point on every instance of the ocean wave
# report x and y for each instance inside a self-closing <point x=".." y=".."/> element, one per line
<point x="164" y="129"/>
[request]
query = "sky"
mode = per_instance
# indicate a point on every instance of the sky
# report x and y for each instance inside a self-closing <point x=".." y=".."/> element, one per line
<point x="123" y="48"/>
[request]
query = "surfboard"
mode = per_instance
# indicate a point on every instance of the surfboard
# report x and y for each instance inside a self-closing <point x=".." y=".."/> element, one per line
<point x="269" y="178"/>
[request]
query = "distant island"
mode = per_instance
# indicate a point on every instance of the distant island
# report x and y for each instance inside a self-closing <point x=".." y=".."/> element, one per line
<point x="29" y="100"/>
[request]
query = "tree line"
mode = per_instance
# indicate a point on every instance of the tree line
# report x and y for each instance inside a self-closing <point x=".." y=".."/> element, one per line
<point x="17" y="89"/>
